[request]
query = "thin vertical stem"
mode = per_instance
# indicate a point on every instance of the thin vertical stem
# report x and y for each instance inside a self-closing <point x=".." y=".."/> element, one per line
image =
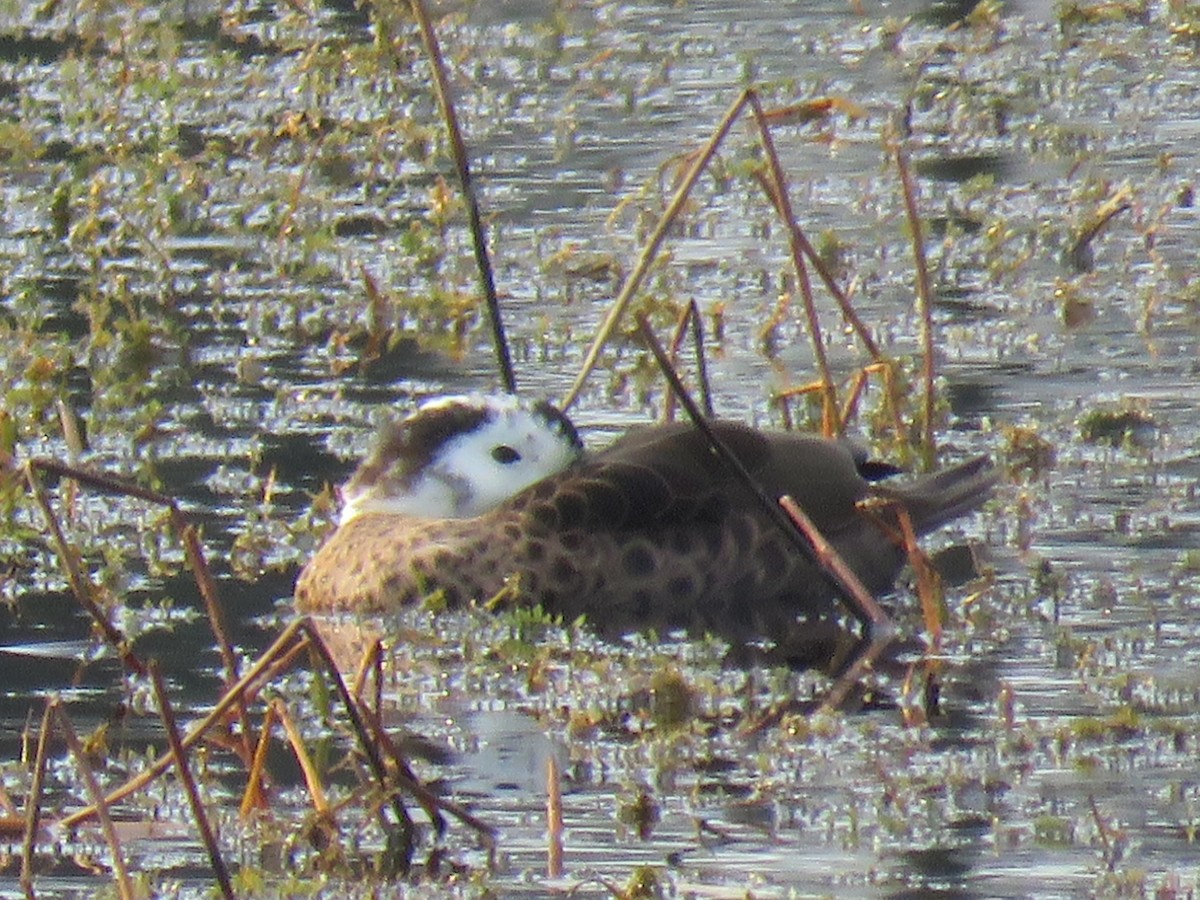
<point x="312" y="778"/>
<point x="554" y="819"/>
<point x="483" y="262"/>
<point x="924" y="303"/>
<point x="179" y="755"/>
<point x="33" y="804"/>
<point x="252" y="796"/>
<point x="193" y="551"/>
<point x="829" y="405"/>
<point x="353" y="711"/>
<point x="207" y="585"/>
<point x="701" y="361"/>
<point x="124" y="884"/>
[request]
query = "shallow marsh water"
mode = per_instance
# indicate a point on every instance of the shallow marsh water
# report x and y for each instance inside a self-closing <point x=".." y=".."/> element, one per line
<point x="191" y="195"/>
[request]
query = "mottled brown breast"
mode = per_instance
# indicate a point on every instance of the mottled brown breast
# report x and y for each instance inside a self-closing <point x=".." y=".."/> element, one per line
<point x="379" y="562"/>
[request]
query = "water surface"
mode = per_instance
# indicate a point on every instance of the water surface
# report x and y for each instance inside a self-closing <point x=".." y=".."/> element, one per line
<point x="192" y="194"/>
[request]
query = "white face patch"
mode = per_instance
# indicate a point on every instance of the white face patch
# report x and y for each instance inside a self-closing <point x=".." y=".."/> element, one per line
<point x="510" y="447"/>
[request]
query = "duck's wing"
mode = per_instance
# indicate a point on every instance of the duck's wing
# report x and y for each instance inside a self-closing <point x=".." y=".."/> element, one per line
<point x="656" y="531"/>
<point x="669" y="475"/>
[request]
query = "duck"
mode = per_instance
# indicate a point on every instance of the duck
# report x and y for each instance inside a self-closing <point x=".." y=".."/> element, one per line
<point x="472" y="497"/>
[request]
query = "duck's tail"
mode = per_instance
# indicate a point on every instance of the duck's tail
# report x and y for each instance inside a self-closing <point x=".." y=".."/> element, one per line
<point x="933" y="500"/>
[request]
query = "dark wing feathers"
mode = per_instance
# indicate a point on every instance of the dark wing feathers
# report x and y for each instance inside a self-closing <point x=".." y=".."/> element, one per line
<point x="935" y="499"/>
<point x="669" y="474"/>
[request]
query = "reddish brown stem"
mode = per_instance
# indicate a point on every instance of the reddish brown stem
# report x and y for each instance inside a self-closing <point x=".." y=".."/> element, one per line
<point x="179" y="755"/>
<point x="800" y="541"/>
<point x="462" y="163"/>
<point x="207" y="585"/>
<point x="554" y="820"/>
<point x="81" y="587"/>
<point x="924" y="304"/>
<point x="234" y="695"/>
<point x="33" y="805"/>
<point x="124" y="884"/>
<point x="868" y="608"/>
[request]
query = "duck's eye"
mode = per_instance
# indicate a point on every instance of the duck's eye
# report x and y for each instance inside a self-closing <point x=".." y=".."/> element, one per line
<point x="505" y="455"/>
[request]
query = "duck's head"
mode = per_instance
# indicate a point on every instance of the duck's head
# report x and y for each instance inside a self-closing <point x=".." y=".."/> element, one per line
<point x="458" y="457"/>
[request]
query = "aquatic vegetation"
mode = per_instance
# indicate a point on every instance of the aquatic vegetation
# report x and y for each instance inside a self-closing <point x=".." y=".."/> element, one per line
<point x="1128" y="428"/>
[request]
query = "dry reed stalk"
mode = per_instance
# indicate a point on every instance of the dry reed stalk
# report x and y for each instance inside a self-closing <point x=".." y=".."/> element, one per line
<point x="432" y="804"/>
<point x="924" y="306"/>
<point x="634" y="280"/>
<point x="366" y="744"/>
<point x="217" y="714"/>
<point x="690" y="317"/>
<point x="193" y="553"/>
<point x="681" y="323"/>
<point x="554" y="820"/>
<point x="776" y="190"/>
<point x="312" y="778"/>
<point x="403" y="774"/>
<point x="305" y="632"/>
<point x="370" y="666"/>
<point x="483" y="263"/>
<point x="124" y="884"/>
<point x="865" y="607"/>
<point x="81" y="586"/>
<point x="929" y="584"/>
<point x="701" y="360"/>
<point x="779" y="194"/>
<point x="33" y="804"/>
<point x="850" y="677"/>
<point x="189" y="783"/>
<point x="867" y="614"/>
<point x="253" y="796"/>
